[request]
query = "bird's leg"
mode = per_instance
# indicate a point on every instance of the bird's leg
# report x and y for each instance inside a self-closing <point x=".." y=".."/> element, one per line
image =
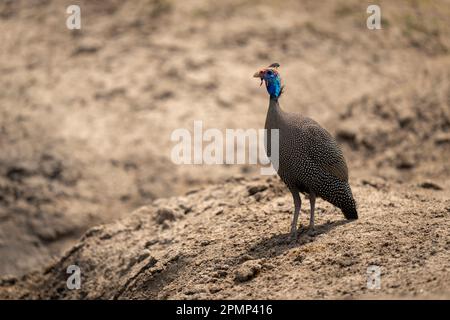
<point x="297" y="205"/>
<point x="312" y="201"/>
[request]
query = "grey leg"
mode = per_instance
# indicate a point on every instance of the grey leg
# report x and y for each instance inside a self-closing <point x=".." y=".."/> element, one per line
<point x="312" y="201"/>
<point x="297" y="205"/>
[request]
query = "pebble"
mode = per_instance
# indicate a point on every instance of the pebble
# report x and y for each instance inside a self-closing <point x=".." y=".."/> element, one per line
<point x="430" y="185"/>
<point x="247" y="271"/>
<point x="256" y="188"/>
<point x="164" y="214"/>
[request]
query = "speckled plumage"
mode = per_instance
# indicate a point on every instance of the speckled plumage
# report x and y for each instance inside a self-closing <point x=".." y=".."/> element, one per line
<point x="310" y="161"/>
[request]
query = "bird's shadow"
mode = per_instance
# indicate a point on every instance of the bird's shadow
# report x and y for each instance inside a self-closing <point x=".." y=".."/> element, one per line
<point x="278" y="244"/>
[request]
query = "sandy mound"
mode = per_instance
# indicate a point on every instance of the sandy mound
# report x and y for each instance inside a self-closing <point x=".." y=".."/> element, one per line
<point x="227" y="241"/>
<point x="85" y="124"/>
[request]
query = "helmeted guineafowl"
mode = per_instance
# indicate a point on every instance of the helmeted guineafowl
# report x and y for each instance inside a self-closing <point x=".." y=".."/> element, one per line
<point x="310" y="160"/>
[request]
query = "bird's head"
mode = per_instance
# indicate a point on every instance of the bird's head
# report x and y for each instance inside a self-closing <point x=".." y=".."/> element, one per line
<point x="271" y="77"/>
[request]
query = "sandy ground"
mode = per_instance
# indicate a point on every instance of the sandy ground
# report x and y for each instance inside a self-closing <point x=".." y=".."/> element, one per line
<point x="85" y="124"/>
<point x="231" y="241"/>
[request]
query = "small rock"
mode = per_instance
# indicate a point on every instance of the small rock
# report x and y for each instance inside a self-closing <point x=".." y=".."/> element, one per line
<point x="256" y="188"/>
<point x="221" y="274"/>
<point x="299" y="258"/>
<point x="16" y="173"/>
<point x="106" y="236"/>
<point x="50" y="167"/>
<point x="348" y="135"/>
<point x="87" y="46"/>
<point x="204" y="243"/>
<point x="93" y="231"/>
<point x="405" y="117"/>
<point x="247" y="271"/>
<point x="192" y="191"/>
<point x="345" y="262"/>
<point x="245" y="257"/>
<point x="376" y="183"/>
<point x="8" y="280"/>
<point x="185" y="208"/>
<point x="222" y="267"/>
<point x="442" y="137"/>
<point x="144" y="255"/>
<point x="141" y="257"/>
<point x="430" y="185"/>
<point x="150" y="243"/>
<point x="214" y="289"/>
<point x="164" y="214"/>
<point x="405" y="162"/>
<point x="194" y="290"/>
<point x="165" y="225"/>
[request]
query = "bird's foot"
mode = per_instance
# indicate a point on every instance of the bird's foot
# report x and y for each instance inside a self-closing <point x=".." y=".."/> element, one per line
<point x="293" y="235"/>
<point x="311" y="232"/>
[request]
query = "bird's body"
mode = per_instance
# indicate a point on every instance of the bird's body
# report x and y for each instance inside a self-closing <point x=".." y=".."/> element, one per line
<point x="309" y="159"/>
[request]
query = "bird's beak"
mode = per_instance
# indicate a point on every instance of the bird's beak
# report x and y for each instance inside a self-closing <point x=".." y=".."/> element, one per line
<point x="259" y="74"/>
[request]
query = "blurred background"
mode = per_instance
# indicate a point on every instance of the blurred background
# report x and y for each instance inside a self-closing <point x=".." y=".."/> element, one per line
<point x="86" y="115"/>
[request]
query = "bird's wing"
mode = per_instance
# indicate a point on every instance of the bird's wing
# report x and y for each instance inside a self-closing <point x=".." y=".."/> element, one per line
<point x="324" y="151"/>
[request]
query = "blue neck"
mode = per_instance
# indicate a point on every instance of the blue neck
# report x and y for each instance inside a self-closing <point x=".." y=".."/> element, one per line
<point x="273" y="86"/>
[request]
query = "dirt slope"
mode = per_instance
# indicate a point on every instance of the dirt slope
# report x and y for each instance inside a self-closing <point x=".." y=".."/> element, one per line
<point x="230" y="241"/>
<point x="86" y="116"/>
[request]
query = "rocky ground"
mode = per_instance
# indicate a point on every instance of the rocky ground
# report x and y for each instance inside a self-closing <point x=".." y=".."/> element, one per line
<point x="85" y="124"/>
